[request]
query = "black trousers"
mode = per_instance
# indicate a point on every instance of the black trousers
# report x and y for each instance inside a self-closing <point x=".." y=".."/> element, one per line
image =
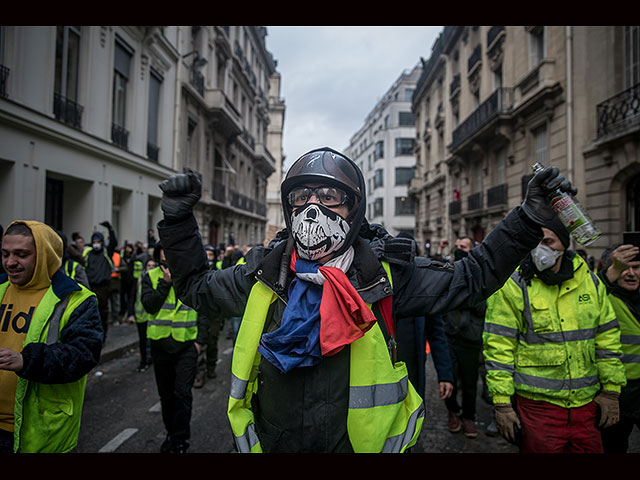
<point x="102" y="291"/>
<point x="175" y="371"/>
<point x="465" y="359"/>
<point x="143" y="342"/>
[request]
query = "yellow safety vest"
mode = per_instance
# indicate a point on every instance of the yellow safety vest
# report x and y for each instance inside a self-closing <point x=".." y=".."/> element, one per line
<point x="385" y="411"/>
<point x="174" y="318"/>
<point x="629" y="337"/>
<point x="47" y="416"/>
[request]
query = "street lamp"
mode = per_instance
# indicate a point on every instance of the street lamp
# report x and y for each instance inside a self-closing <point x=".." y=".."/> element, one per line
<point x="198" y="61"/>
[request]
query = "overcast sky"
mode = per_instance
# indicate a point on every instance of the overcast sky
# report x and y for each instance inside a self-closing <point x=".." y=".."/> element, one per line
<point x="332" y="77"/>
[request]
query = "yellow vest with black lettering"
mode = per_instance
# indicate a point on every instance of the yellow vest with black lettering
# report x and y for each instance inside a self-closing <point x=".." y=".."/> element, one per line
<point x="47" y="416"/>
<point x="385" y="411"/>
<point x="174" y="318"/>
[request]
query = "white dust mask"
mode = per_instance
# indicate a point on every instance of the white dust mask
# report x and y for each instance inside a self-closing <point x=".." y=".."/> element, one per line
<point x="317" y="231"/>
<point x="544" y="257"/>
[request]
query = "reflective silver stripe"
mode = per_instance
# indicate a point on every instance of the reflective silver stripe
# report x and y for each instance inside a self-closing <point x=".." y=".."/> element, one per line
<point x="503" y="367"/>
<point x="629" y="358"/>
<point x="554" y="384"/>
<point x="396" y="443"/>
<point x="501" y="330"/>
<point x="607" y="354"/>
<point x="159" y="322"/>
<point x="561" y="337"/>
<point x="168" y="306"/>
<point x="238" y="387"/>
<point x="54" y="320"/>
<point x="184" y="307"/>
<point x="370" y="396"/>
<point x="608" y="326"/>
<point x="630" y="339"/>
<point x="247" y="441"/>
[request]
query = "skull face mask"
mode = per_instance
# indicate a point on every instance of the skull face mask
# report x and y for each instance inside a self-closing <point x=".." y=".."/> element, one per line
<point x="317" y="231"/>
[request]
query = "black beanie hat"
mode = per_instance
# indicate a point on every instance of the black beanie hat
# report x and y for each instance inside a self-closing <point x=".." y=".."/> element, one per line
<point x="557" y="227"/>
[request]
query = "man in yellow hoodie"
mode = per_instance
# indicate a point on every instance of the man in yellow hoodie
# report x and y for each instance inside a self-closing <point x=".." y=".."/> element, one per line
<point x="50" y="338"/>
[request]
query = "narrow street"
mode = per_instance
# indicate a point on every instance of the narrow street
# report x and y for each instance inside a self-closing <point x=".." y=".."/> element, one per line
<point x="122" y="410"/>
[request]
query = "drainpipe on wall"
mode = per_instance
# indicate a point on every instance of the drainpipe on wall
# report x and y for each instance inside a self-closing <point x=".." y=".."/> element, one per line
<point x="178" y="92"/>
<point x="569" y="56"/>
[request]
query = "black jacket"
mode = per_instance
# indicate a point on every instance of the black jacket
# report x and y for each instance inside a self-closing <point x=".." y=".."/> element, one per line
<point x="314" y="419"/>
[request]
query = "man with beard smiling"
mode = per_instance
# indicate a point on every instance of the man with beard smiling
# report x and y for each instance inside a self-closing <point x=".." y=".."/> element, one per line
<point x="314" y="363"/>
<point x="50" y="338"/>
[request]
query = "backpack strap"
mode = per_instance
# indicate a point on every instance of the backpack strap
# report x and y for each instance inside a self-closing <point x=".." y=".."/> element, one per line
<point x="383" y="309"/>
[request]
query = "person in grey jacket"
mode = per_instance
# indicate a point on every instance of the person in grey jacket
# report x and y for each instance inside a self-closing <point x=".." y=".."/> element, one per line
<point x="317" y="396"/>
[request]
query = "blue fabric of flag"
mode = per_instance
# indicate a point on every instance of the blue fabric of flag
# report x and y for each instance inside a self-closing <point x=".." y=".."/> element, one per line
<point x="296" y="343"/>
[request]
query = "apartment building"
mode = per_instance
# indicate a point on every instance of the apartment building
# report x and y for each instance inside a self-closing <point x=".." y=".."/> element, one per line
<point x="493" y="100"/>
<point x="274" y="137"/>
<point x="383" y="148"/>
<point x="93" y="118"/>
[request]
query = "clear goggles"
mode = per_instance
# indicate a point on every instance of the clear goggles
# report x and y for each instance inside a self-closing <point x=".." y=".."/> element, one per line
<point x="328" y="196"/>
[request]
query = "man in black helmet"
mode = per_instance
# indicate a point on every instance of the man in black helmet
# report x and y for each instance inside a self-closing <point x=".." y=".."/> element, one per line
<point x="313" y="366"/>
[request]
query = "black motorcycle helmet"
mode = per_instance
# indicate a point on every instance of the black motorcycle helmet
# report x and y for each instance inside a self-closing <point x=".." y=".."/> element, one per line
<point x="330" y="167"/>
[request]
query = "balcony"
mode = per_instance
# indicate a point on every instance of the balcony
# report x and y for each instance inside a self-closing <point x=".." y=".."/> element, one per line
<point x="474" y="202"/>
<point x="218" y="192"/>
<point x="153" y="152"/>
<point x="619" y="114"/>
<point x="4" y="74"/>
<point x="497" y="195"/>
<point x="264" y="159"/>
<point x="119" y="136"/>
<point x="455" y="208"/>
<point x="67" y="111"/>
<point x="500" y="102"/>
<point x="223" y="113"/>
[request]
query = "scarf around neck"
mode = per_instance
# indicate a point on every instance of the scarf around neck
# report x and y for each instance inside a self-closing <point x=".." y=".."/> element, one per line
<point x="323" y="315"/>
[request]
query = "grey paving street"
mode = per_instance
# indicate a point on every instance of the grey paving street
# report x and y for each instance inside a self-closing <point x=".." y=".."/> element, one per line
<point x="210" y="428"/>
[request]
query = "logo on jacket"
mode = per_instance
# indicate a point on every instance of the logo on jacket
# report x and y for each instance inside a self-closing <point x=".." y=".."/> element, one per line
<point x="584" y="298"/>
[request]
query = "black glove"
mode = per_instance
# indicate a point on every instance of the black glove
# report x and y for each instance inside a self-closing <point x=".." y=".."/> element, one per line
<point x="106" y="225"/>
<point x="536" y="204"/>
<point x="180" y="193"/>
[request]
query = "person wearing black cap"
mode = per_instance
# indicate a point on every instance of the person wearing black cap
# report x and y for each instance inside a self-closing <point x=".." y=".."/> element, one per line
<point x="552" y="348"/>
<point x="314" y="365"/>
<point x="99" y="267"/>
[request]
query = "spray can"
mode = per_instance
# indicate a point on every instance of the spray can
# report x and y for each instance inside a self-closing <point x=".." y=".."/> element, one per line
<point x="572" y="215"/>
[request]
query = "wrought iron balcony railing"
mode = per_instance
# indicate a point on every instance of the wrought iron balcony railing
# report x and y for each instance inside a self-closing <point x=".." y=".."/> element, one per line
<point x="4" y="74"/>
<point x="474" y="201"/>
<point x="498" y="103"/>
<point x="455" y="207"/>
<point x="119" y="136"/>
<point x="153" y="151"/>
<point x="67" y="111"/>
<point x="497" y="195"/>
<point x="620" y="112"/>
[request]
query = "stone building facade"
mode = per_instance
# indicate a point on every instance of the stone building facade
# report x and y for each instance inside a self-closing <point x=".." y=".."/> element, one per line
<point x="493" y="100"/>
<point x="93" y="118"/>
<point x="383" y="148"/>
